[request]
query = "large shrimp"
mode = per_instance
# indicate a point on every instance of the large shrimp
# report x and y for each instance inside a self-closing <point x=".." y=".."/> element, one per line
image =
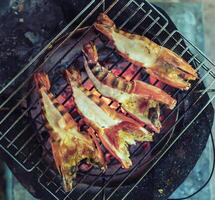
<point x="115" y="130"/>
<point x="158" y="61"/>
<point x="69" y="145"/>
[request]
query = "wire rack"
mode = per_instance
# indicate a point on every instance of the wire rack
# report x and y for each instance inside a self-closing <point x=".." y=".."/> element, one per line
<point x="15" y="123"/>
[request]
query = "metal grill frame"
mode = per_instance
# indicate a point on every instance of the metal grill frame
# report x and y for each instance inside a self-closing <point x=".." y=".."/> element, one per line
<point x="39" y="168"/>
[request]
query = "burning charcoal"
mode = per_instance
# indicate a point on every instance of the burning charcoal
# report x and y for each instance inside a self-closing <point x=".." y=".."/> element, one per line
<point x="108" y="157"/>
<point x="85" y="167"/>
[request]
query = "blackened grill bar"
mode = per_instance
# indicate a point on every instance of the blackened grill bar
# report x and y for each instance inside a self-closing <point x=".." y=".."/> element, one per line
<point x="147" y="14"/>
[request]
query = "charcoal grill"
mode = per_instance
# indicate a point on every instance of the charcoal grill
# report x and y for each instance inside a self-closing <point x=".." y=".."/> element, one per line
<point x="25" y="139"/>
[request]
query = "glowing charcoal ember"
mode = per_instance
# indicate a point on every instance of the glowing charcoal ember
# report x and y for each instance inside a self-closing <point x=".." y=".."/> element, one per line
<point x="155" y="82"/>
<point x="128" y="74"/>
<point x="68" y="103"/>
<point x="85" y="167"/>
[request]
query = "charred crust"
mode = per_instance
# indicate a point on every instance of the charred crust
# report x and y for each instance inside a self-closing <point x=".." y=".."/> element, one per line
<point x="124" y="86"/>
<point x="100" y="103"/>
<point x="45" y="120"/>
<point x="63" y="112"/>
<point x="129" y="87"/>
<point x="109" y="79"/>
<point x="116" y="30"/>
<point x="102" y="75"/>
<point x="131" y="36"/>
<point x="56" y="104"/>
<point x="115" y="82"/>
<point x="90" y="96"/>
<point x="95" y="71"/>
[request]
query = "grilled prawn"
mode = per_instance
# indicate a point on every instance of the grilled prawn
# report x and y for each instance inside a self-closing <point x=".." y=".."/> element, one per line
<point x="115" y="130"/>
<point x="69" y="145"/>
<point x="139" y="99"/>
<point x="158" y="61"/>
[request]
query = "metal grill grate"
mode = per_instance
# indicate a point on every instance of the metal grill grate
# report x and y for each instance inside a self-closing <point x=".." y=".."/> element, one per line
<point x="22" y="128"/>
